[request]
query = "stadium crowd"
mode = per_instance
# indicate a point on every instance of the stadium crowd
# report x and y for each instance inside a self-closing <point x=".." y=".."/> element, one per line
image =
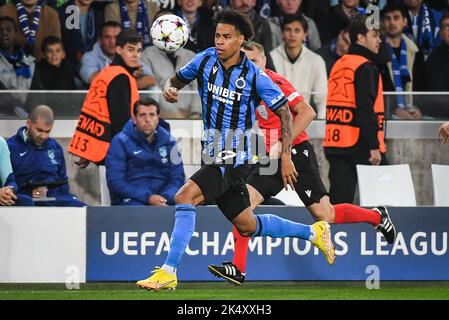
<point x="44" y="46"/>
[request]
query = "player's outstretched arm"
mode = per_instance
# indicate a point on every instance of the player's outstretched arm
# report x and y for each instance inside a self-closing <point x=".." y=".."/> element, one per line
<point x="288" y="170"/>
<point x="171" y="88"/>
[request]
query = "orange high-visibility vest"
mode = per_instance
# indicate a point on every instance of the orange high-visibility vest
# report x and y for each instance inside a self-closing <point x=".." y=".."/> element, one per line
<point x="92" y="135"/>
<point x="342" y="130"/>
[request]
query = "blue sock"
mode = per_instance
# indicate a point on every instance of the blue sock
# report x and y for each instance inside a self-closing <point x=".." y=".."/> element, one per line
<point x="182" y="233"/>
<point x="277" y="227"/>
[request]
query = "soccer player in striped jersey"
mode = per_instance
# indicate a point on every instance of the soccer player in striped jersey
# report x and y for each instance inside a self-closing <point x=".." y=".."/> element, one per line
<point x="309" y="186"/>
<point x="230" y="86"/>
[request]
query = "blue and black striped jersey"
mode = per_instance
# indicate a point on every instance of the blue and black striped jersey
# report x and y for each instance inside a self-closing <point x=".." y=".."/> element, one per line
<point x="229" y="98"/>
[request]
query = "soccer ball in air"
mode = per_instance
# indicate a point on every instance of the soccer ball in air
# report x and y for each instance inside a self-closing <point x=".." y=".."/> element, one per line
<point x="169" y="33"/>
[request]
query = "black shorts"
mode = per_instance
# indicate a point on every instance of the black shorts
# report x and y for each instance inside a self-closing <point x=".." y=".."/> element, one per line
<point x="309" y="186"/>
<point x="226" y="186"/>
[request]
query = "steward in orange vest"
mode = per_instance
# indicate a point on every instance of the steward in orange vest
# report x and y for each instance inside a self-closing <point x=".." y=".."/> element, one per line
<point x="353" y="118"/>
<point x="109" y="102"/>
<point x="354" y="113"/>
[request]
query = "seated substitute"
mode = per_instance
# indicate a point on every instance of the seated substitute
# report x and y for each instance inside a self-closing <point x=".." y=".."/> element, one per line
<point x="38" y="162"/>
<point x="8" y="186"/>
<point x="143" y="164"/>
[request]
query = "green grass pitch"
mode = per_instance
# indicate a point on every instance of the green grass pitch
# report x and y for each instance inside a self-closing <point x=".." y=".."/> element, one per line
<point x="335" y="290"/>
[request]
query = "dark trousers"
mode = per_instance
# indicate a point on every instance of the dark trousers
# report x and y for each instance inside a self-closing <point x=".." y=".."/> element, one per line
<point x="24" y="200"/>
<point x="343" y="174"/>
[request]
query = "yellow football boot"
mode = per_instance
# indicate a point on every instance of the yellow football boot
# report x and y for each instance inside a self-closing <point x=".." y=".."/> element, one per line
<point x="160" y="280"/>
<point x="323" y="240"/>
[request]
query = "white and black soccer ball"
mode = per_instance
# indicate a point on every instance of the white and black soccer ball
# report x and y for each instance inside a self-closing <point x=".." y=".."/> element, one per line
<point x="169" y="33"/>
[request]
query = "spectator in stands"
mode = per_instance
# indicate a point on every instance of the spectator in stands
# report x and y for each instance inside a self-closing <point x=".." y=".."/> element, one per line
<point x="305" y="69"/>
<point x="339" y="18"/>
<point x="109" y="102"/>
<point x="104" y="52"/>
<point x="318" y="10"/>
<point x="199" y="19"/>
<point x="38" y="162"/>
<point x="335" y="49"/>
<point x="443" y="132"/>
<point x="143" y="164"/>
<point x="17" y="70"/>
<point x="56" y="73"/>
<point x="406" y="64"/>
<point x="312" y="41"/>
<point x="423" y="25"/>
<point x="80" y="39"/>
<point x="262" y="30"/>
<point x="38" y="21"/>
<point x="8" y="185"/>
<point x="164" y="65"/>
<point x="437" y="73"/>
<point x="136" y="15"/>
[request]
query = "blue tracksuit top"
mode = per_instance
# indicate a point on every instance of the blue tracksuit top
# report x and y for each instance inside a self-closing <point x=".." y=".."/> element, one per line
<point x="33" y="164"/>
<point x="136" y="169"/>
<point x="6" y="173"/>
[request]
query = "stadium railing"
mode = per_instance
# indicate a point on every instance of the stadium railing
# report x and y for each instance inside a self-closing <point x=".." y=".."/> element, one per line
<point x="412" y="142"/>
<point x="16" y="104"/>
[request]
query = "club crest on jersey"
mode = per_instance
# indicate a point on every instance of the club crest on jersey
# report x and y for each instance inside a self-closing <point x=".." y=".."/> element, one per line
<point x="51" y="155"/>
<point x="240" y="83"/>
<point x="163" y="153"/>
<point x="263" y="111"/>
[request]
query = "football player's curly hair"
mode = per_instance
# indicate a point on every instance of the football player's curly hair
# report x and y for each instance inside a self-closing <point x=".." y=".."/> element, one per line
<point x="239" y="20"/>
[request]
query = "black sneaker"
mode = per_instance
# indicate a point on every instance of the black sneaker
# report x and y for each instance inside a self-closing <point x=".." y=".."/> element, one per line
<point x="229" y="272"/>
<point x="386" y="226"/>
